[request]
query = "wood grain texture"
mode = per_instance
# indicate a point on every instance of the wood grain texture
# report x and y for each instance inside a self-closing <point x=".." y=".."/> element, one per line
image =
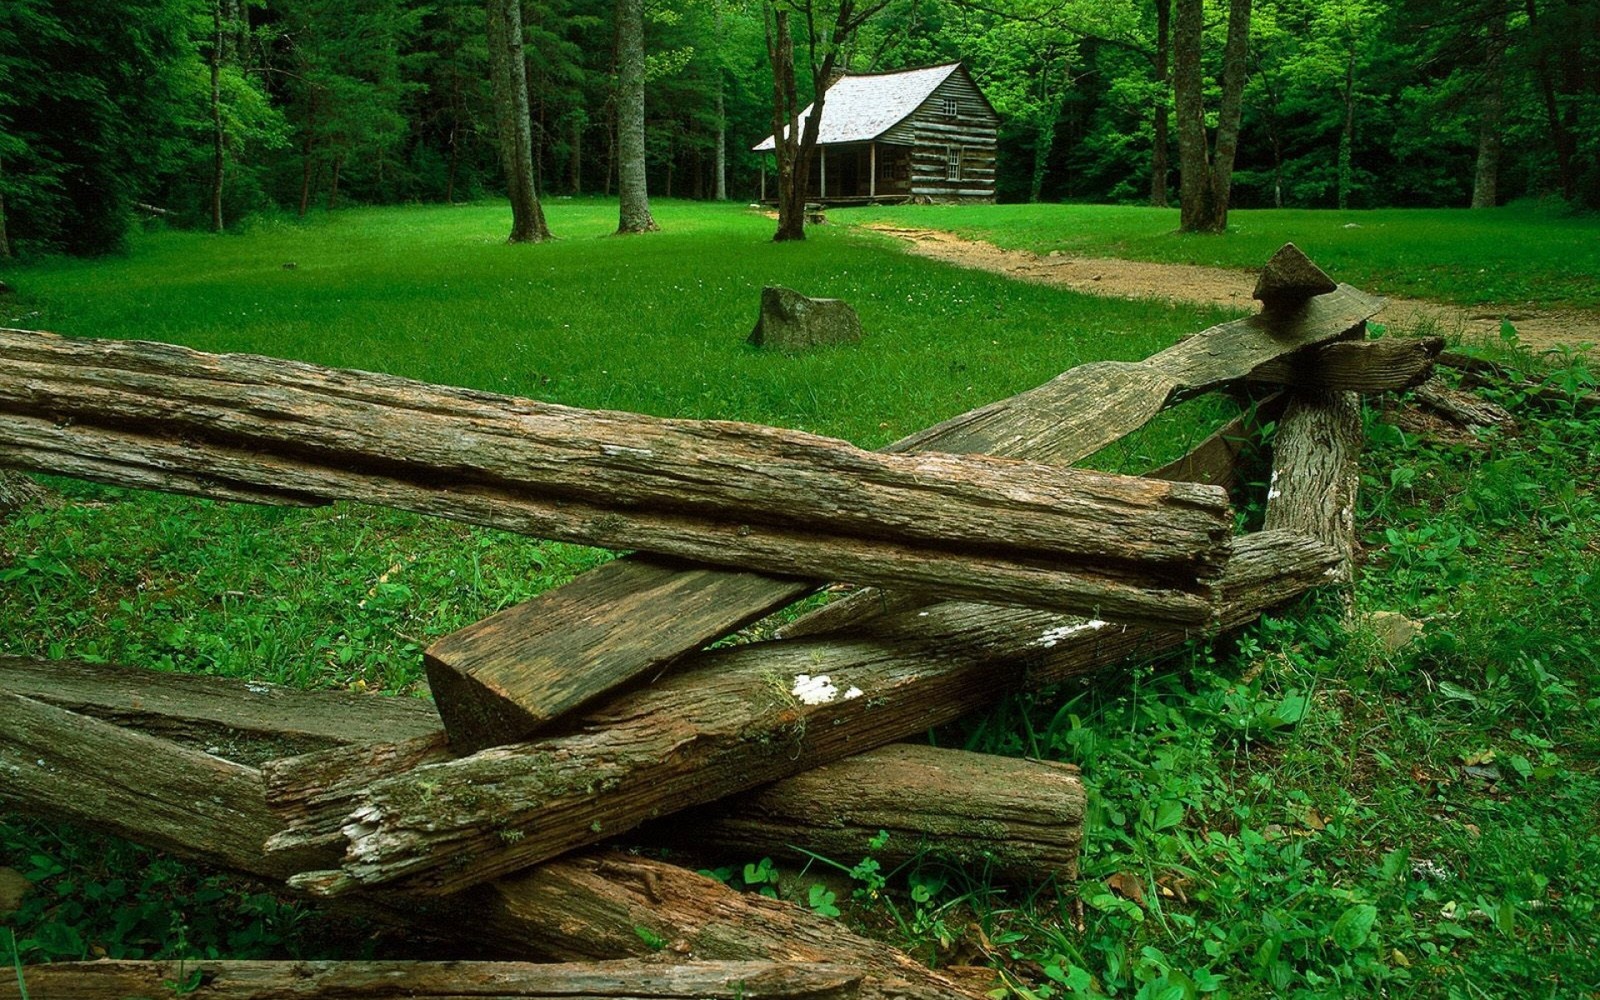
<point x="631" y="979"/>
<point x="1461" y="407"/>
<point x="507" y="676"/>
<point x="242" y="721"/>
<point x="1365" y="366"/>
<point x="777" y="501"/>
<point x="728" y="721"/>
<point x="1315" y="473"/>
<point x="1015" y="820"/>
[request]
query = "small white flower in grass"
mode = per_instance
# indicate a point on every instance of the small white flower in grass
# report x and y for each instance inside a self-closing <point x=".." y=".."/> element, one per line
<point x="818" y="690"/>
<point x="1055" y="635"/>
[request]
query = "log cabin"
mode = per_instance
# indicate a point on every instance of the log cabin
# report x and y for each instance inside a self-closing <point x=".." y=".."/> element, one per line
<point x="924" y="135"/>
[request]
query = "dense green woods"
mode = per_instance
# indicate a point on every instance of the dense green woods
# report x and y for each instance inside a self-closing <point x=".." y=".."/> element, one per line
<point x="110" y="111"/>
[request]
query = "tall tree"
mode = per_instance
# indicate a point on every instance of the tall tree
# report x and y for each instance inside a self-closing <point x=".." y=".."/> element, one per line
<point x="632" y="186"/>
<point x="508" y="71"/>
<point x="1491" y="111"/>
<point x="1159" y="165"/>
<point x="1206" y="172"/>
<point x="793" y="141"/>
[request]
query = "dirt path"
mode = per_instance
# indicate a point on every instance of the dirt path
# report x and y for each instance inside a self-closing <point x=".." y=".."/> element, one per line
<point x="1540" y="330"/>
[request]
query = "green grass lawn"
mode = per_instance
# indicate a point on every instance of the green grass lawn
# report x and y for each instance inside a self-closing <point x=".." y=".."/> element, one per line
<point x="1304" y="812"/>
<point x="1517" y="256"/>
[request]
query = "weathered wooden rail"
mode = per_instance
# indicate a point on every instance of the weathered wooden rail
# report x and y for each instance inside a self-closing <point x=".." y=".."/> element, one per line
<point x="596" y="707"/>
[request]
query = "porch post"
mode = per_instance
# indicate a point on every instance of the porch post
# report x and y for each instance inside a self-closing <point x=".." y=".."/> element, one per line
<point x="763" y="180"/>
<point x="822" y="188"/>
<point x="872" y="169"/>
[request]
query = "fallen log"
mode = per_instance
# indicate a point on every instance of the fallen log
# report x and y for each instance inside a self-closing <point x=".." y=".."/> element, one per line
<point x="155" y="415"/>
<point x="1481" y="371"/>
<point x="729" y="720"/>
<point x="586" y="906"/>
<point x="1020" y="821"/>
<point x="507" y="677"/>
<point x="632" y="979"/>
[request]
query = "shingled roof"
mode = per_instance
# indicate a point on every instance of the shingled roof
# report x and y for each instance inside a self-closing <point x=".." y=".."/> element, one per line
<point x="861" y="108"/>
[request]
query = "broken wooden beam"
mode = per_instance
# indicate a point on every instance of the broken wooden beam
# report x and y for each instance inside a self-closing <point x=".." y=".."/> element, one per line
<point x="1019" y="821"/>
<point x="633" y="979"/>
<point x="729" y="720"/>
<point x="1462" y="407"/>
<point x="589" y="905"/>
<point x="505" y="678"/>
<point x="155" y="415"/>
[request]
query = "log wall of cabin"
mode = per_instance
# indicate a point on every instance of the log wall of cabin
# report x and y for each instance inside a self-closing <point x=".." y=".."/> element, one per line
<point x="972" y="132"/>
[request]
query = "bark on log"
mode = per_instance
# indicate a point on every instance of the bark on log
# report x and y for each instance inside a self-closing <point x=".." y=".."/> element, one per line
<point x="1481" y="371"/>
<point x="507" y="677"/>
<point x="145" y="414"/>
<point x="1315" y="473"/>
<point x="18" y="492"/>
<point x="731" y="720"/>
<point x="1019" y="820"/>
<point x="1365" y="366"/>
<point x="631" y="979"/>
<point x="1463" y="407"/>
<point x="585" y="906"/>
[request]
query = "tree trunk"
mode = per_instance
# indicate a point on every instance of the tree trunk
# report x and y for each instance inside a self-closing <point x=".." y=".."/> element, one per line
<point x="1019" y="820"/>
<point x="1491" y="114"/>
<point x="575" y="158"/>
<point x="5" y="241"/>
<point x="1347" y="135"/>
<point x="782" y="502"/>
<point x="306" y="159"/>
<point x="216" y="116"/>
<point x="1206" y="176"/>
<point x="793" y="169"/>
<point x="333" y="184"/>
<point x="1159" y="166"/>
<point x="508" y="72"/>
<point x="1561" y="138"/>
<point x="632" y="187"/>
<point x="1044" y="141"/>
<point x="720" y="166"/>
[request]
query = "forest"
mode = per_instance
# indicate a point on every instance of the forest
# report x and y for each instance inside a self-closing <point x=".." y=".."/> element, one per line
<point x="202" y="113"/>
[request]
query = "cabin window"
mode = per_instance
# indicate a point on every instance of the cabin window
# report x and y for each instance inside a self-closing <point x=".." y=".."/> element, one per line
<point x="951" y="108"/>
<point x="952" y="163"/>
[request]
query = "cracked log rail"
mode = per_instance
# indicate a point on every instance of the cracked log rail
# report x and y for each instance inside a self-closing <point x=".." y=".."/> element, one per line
<point x="242" y="427"/>
<point x="506" y="677"/>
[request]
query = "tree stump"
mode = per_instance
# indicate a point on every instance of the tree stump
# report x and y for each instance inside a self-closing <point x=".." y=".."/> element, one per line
<point x="793" y="322"/>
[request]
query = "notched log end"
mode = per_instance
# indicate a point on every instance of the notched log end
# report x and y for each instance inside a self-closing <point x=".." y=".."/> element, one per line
<point x="475" y="717"/>
<point x="1290" y="278"/>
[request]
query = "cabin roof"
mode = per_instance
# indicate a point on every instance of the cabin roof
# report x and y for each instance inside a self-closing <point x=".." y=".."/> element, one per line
<point x="858" y="108"/>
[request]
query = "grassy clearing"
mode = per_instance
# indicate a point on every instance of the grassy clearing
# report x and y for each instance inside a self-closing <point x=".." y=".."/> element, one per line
<point x="1296" y="811"/>
<point x="1517" y="256"/>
